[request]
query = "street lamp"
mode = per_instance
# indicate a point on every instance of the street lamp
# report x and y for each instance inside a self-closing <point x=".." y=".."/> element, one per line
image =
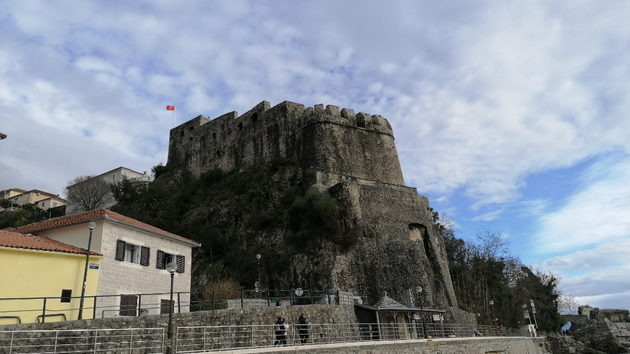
<point x="258" y="282"/>
<point x="491" y="303"/>
<point x="424" y="325"/>
<point x="171" y="267"/>
<point x="526" y="313"/>
<point x="531" y="303"/>
<point x="91" y="226"/>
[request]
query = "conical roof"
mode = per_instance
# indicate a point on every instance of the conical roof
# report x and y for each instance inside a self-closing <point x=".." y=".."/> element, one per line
<point x="387" y="302"/>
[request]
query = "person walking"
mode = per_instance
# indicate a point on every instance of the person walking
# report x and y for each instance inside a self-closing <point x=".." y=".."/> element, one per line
<point x="286" y="331"/>
<point x="280" y="331"/>
<point x="302" y="327"/>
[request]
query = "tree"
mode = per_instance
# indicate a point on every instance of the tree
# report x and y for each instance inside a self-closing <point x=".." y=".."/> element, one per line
<point x="86" y="193"/>
<point x="483" y="270"/>
<point x="21" y="215"/>
<point x="568" y="305"/>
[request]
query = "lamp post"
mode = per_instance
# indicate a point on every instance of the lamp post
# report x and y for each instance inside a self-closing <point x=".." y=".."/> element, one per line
<point x="526" y="313"/>
<point x="171" y="267"/>
<point x="258" y="281"/>
<point x="424" y="325"/>
<point x="491" y="303"/>
<point x="91" y="226"/>
<point x="531" y="303"/>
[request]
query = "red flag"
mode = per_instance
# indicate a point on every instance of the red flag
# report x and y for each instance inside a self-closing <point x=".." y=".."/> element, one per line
<point x="170" y="108"/>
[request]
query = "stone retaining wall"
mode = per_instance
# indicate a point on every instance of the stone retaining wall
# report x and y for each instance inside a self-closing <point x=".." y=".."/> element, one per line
<point x="246" y="316"/>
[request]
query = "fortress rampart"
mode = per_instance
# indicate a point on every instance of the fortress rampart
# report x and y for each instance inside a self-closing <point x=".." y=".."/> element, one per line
<point x="328" y="140"/>
<point x="355" y="160"/>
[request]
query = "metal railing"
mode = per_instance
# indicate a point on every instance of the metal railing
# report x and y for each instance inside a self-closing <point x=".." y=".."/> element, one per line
<point x="133" y="340"/>
<point x="217" y="338"/>
<point x="221" y="338"/>
<point x="499" y="331"/>
<point x="44" y="309"/>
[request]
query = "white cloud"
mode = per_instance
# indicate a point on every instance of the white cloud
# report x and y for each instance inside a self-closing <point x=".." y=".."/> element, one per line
<point x="480" y="94"/>
<point x="491" y="215"/>
<point x="601" y="256"/>
<point x="596" y="214"/>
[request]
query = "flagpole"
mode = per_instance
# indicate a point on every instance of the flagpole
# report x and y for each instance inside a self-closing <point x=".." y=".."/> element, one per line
<point x="174" y="109"/>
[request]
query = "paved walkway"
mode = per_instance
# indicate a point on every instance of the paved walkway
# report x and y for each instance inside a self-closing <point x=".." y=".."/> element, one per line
<point x="351" y="345"/>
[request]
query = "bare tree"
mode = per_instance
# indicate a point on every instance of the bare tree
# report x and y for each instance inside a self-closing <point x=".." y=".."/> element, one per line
<point x="88" y="193"/>
<point x="568" y="305"/>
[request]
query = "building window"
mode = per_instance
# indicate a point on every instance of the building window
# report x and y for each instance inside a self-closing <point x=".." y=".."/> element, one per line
<point x="54" y="204"/>
<point x="164" y="258"/>
<point x="66" y="295"/>
<point x="131" y="253"/>
<point x="167" y="306"/>
<point x="128" y="305"/>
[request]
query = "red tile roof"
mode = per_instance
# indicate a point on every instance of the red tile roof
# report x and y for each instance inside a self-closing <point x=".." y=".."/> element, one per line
<point x="17" y="240"/>
<point x="13" y="189"/>
<point x="44" y="193"/>
<point x="96" y="215"/>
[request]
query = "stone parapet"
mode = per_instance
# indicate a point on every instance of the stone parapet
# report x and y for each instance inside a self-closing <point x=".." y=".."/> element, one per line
<point x="246" y="316"/>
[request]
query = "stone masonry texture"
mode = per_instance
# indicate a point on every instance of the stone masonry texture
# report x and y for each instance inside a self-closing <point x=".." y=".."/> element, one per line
<point x="354" y="159"/>
<point x="315" y="314"/>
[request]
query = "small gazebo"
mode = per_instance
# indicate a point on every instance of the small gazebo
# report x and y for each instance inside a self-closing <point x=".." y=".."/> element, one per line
<point x="395" y="320"/>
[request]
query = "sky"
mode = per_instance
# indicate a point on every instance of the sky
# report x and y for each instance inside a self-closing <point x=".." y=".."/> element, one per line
<point x="510" y="116"/>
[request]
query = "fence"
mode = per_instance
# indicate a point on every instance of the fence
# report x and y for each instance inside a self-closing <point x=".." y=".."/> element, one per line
<point x="216" y="338"/>
<point x="132" y="341"/>
<point x="45" y="309"/>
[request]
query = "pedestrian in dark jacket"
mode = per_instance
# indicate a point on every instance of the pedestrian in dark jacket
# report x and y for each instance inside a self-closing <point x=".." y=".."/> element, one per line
<point x="302" y="327"/>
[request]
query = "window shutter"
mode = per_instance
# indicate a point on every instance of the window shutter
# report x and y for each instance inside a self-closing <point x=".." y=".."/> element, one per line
<point x="159" y="264"/>
<point x="181" y="263"/>
<point x="145" y="253"/>
<point x="120" y="250"/>
<point x="166" y="306"/>
<point x="128" y="305"/>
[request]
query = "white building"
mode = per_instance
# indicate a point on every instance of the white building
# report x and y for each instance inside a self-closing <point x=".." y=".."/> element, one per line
<point x="114" y="176"/>
<point x="134" y="261"/>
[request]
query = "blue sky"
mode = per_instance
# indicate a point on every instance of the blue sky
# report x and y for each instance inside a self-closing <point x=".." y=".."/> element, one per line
<point x="511" y="116"/>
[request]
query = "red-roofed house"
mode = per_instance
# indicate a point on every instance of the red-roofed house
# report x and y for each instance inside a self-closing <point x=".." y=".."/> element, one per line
<point x="8" y="193"/>
<point x="32" y="266"/>
<point x="135" y="256"/>
<point x="41" y="199"/>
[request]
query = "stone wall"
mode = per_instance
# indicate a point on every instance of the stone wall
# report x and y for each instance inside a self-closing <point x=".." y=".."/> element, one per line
<point x="577" y="321"/>
<point x="247" y="316"/>
<point x="613" y="315"/>
<point x="325" y="139"/>
<point x="354" y="159"/>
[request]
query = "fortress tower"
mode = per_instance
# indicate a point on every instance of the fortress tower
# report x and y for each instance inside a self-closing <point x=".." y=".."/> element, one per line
<point x="355" y="160"/>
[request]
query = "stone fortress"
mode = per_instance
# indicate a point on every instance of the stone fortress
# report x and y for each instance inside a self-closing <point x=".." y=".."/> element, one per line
<point x="354" y="159"/>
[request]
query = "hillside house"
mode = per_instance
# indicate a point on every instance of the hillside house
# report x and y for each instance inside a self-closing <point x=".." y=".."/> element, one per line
<point x="114" y="176"/>
<point x="41" y="199"/>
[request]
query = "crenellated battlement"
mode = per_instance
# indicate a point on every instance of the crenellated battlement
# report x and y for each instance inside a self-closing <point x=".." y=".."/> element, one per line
<point x="354" y="160"/>
<point x="325" y="138"/>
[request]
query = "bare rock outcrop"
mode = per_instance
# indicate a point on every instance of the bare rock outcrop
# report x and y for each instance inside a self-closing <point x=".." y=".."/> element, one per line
<point x="605" y="336"/>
